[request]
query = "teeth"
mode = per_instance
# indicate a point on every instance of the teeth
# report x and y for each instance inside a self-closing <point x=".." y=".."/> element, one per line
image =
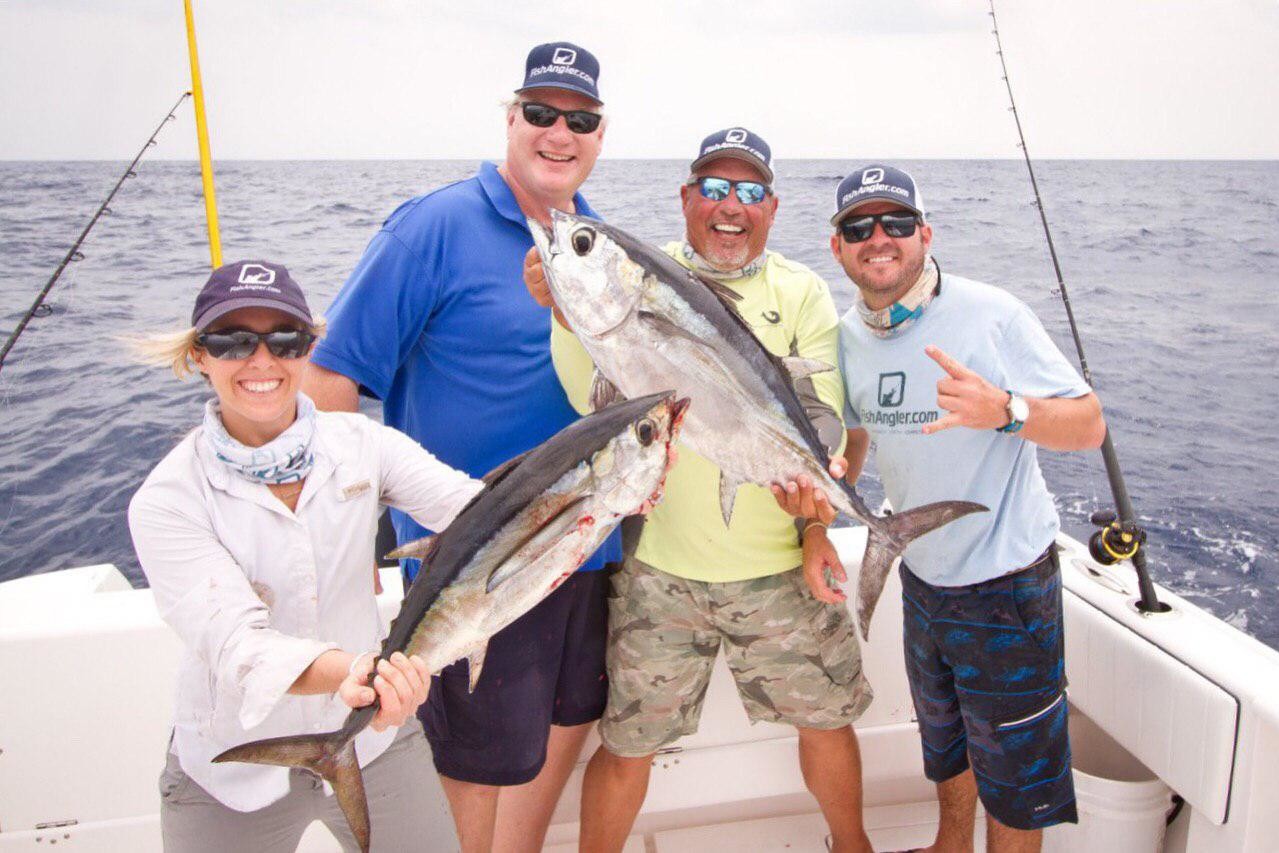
<point x="880" y="260"/>
<point x="728" y="229"/>
<point x="558" y="158"/>
<point x="261" y="387"/>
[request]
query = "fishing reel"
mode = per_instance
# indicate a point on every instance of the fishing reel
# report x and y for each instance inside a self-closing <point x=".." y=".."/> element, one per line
<point x="1114" y="540"/>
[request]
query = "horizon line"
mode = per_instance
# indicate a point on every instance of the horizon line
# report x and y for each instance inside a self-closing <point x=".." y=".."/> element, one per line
<point x="843" y="158"/>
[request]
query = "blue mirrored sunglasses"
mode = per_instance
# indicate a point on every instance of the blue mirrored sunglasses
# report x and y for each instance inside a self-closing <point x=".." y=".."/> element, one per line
<point x="717" y="189"/>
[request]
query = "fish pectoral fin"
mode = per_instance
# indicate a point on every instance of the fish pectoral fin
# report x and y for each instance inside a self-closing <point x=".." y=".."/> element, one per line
<point x="603" y="392"/>
<point x="498" y="473"/>
<point x="727" y="495"/>
<point x="528" y="551"/>
<point x="668" y="327"/>
<point x="729" y="296"/>
<point x="475" y="665"/>
<point x="800" y="367"/>
<point x="418" y="549"/>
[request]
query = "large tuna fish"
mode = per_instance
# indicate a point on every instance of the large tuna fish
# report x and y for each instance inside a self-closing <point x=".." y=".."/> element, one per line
<point x="649" y="323"/>
<point x="538" y="518"/>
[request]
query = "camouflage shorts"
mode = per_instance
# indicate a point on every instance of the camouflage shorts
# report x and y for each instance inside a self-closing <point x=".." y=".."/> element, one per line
<point x="795" y="660"/>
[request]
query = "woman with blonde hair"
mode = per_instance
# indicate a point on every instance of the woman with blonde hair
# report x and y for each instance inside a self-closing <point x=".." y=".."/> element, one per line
<point x="256" y="534"/>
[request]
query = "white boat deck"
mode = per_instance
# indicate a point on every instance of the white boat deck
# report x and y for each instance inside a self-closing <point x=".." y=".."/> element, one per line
<point x="1182" y="698"/>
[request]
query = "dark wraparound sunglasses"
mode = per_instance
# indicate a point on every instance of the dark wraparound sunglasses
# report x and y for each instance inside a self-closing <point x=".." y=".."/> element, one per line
<point x="236" y="344"/>
<point x="543" y="115"/>
<point x="896" y="223"/>
<point x="717" y="189"/>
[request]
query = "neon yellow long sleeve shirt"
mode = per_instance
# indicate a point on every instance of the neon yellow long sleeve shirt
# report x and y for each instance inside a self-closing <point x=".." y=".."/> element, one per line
<point x="790" y="310"/>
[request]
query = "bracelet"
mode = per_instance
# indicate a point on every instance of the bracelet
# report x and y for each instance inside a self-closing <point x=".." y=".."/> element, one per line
<point x="350" y="670"/>
<point x="813" y="522"/>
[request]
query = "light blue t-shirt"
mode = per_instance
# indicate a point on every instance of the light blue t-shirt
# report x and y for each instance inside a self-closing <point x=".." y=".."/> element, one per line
<point x="892" y="393"/>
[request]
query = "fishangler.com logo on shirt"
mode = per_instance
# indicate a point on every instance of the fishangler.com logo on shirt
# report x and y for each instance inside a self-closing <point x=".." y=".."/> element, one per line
<point x="892" y="393"/>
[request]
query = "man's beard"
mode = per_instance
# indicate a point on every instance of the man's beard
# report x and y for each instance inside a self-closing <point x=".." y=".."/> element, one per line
<point x="729" y="260"/>
<point x="902" y="283"/>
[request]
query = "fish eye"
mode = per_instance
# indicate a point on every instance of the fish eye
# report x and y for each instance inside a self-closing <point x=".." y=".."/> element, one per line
<point x="646" y="430"/>
<point x="583" y="239"/>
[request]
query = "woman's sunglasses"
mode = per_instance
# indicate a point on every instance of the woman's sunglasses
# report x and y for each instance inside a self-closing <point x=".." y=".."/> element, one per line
<point x="717" y="189"/>
<point x="237" y="344"/>
<point x="896" y="223"/>
<point x="543" y="115"/>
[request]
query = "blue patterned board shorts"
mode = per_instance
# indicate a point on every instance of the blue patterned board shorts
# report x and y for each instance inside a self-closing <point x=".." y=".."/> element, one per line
<point x="986" y="665"/>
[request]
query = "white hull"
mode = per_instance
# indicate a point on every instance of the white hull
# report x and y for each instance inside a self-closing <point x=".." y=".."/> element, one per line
<point x="89" y="668"/>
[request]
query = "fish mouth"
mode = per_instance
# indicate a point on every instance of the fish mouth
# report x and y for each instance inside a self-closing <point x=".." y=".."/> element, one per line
<point x="678" y="409"/>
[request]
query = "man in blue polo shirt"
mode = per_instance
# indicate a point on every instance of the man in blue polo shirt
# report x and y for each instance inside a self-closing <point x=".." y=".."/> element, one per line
<point x="435" y="321"/>
<point x="957" y="384"/>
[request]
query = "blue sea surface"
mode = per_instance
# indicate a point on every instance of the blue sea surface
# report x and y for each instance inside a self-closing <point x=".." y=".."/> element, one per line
<point x="1170" y="267"/>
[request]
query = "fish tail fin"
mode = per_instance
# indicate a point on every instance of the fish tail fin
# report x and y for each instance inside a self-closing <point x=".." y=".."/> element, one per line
<point x="331" y="756"/>
<point x="888" y="537"/>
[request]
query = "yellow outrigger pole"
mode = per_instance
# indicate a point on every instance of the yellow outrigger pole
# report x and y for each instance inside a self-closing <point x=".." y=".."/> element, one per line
<point x="202" y="135"/>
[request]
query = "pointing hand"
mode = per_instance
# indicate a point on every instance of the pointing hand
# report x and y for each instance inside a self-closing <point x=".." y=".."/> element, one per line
<point x="970" y="400"/>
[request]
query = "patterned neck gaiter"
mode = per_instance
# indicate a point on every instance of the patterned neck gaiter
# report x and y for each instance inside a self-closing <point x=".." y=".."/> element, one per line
<point x="704" y="267"/>
<point x="896" y="318"/>
<point x="287" y="458"/>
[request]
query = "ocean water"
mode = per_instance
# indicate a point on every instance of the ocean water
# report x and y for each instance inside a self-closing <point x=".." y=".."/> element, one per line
<point x="1170" y="266"/>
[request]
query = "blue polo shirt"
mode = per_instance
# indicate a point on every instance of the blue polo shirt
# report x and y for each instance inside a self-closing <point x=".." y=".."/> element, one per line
<point x="435" y="321"/>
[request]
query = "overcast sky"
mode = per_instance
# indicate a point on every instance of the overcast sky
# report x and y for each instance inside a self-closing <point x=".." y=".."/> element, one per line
<point x="848" y="78"/>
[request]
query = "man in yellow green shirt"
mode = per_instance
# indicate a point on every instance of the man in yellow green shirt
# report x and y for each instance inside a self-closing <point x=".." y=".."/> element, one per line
<point x="693" y="584"/>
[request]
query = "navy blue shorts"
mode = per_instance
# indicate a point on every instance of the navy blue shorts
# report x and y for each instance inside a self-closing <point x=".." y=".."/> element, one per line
<point x="986" y="665"/>
<point x="545" y="668"/>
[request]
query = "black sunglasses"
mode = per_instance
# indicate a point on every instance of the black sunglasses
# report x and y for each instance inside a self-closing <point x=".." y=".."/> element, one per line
<point x="896" y="223"/>
<point x="237" y="344"/>
<point x="543" y="115"/>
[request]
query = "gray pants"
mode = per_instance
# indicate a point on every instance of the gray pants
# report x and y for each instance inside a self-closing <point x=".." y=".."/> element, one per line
<point x="407" y="808"/>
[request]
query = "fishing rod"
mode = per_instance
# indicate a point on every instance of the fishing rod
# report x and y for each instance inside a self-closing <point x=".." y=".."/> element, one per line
<point x="1118" y="537"/>
<point x="38" y="308"/>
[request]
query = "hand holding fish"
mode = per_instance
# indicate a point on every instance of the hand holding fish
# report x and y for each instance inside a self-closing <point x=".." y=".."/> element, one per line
<point x="400" y="686"/>
<point x="538" y="288"/>
<point x="970" y="400"/>
<point x="800" y="498"/>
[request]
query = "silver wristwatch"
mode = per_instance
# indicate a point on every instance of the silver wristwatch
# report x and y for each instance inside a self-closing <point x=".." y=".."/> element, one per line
<point x="1018" y="410"/>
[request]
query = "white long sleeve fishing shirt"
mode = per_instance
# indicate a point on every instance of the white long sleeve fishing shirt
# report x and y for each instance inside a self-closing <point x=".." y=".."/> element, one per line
<point x="257" y="592"/>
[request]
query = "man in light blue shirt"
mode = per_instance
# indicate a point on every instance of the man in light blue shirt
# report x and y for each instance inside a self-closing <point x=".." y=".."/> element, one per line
<point x="957" y="384"/>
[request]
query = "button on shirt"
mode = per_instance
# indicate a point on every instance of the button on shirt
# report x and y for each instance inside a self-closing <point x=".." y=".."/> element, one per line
<point x="892" y="393"/>
<point x="257" y="592"/>
<point x="436" y="322"/>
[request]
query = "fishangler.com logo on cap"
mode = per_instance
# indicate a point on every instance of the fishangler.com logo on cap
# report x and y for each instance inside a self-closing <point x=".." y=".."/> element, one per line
<point x="561" y="69"/>
<point x="256" y="274"/>
<point x="873" y="182"/>
<point x="735" y="135"/>
<point x="255" y="277"/>
<point x="564" y="56"/>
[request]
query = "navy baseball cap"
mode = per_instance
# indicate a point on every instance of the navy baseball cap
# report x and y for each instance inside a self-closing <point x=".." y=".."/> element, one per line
<point x="249" y="284"/>
<point x="739" y="143"/>
<point x="562" y="65"/>
<point x="875" y="183"/>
